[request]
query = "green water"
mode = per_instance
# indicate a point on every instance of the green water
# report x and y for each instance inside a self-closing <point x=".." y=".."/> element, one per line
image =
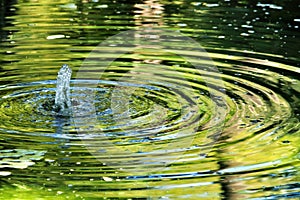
<point x="170" y="100"/>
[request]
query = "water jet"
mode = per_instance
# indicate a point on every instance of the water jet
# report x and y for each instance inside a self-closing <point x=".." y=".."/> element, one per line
<point x="62" y="97"/>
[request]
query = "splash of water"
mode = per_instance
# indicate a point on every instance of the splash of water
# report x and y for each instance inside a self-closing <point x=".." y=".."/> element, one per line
<point x="62" y="97"/>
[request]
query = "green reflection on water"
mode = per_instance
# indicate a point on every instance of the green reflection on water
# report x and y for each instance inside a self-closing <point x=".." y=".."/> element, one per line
<point x="256" y="48"/>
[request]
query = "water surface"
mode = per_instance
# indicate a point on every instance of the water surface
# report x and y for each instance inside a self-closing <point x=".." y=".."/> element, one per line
<point x="151" y="125"/>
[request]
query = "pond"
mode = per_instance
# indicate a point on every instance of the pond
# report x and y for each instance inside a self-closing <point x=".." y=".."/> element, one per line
<point x="168" y="99"/>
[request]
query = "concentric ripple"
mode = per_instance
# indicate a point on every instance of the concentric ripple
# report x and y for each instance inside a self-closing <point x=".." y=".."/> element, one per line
<point x="158" y="120"/>
<point x="150" y="130"/>
<point x="163" y="123"/>
<point x="127" y="125"/>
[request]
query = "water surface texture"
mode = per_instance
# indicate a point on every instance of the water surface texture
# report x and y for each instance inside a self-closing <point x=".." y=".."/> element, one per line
<point x="164" y="119"/>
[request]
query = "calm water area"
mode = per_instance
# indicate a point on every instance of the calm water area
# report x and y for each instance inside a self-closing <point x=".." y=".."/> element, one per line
<point x="176" y="99"/>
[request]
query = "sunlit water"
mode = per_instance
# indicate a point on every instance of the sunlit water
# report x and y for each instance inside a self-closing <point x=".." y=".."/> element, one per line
<point x="150" y="125"/>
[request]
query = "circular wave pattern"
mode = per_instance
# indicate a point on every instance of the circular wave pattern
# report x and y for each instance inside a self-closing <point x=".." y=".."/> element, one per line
<point x="161" y="126"/>
<point x="145" y="121"/>
<point x="176" y="109"/>
<point x="154" y="125"/>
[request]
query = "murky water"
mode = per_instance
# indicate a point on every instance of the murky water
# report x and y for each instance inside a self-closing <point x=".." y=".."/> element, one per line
<point x="154" y="116"/>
